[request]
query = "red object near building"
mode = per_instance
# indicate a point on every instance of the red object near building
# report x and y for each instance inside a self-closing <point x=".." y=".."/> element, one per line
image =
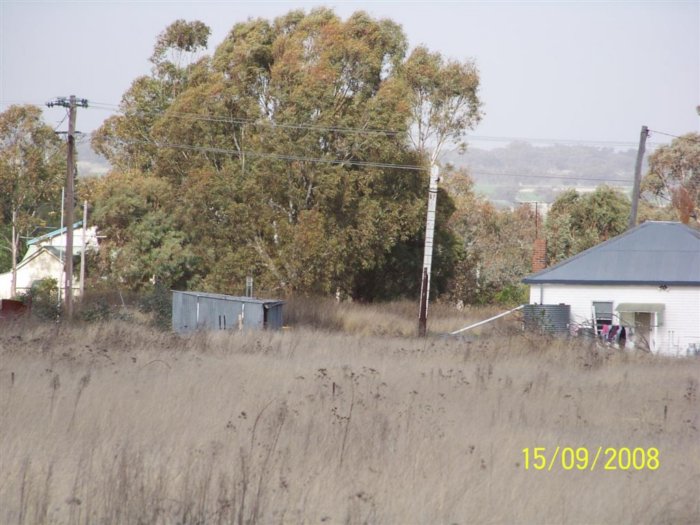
<point x="10" y="309"/>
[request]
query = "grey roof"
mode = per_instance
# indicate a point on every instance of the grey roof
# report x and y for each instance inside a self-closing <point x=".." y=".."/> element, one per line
<point x="266" y="302"/>
<point x="53" y="234"/>
<point x="652" y="253"/>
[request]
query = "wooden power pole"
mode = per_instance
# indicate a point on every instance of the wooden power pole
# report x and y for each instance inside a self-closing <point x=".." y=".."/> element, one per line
<point x="70" y="205"/>
<point x="638" y="176"/>
<point x="82" y="252"/>
<point x="71" y="103"/>
<point x="428" y="251"/>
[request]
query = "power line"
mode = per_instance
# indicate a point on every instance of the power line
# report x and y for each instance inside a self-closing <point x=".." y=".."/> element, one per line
<point x="692" y="139"/>
<point x="14" y="102"/>
<point x="551" y="177"/>
<point x="487" y="138"/>
<point x="115" y="108"/>
<point x="224" y="151"/>
<point x="255" y="122"/>
<point x="373" y="131"/>
<point x="662" y="133"/>
<point x="62" y="121"/>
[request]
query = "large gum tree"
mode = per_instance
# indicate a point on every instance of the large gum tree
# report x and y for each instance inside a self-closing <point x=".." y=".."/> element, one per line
<point x="31" y="170"/>
<point x="286" y="150"/>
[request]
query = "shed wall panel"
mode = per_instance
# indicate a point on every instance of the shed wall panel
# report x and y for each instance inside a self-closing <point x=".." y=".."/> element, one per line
<point x="274" y="317"/>
<point x="192" y="311"/>
<point x="254" y="316"/>
<point x="184" y="312"/>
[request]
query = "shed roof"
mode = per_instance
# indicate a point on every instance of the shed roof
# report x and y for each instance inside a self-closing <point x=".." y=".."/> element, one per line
<point x="52" y="234"/>
<point x="265" y="302"/>
<point x="653" y="253"/>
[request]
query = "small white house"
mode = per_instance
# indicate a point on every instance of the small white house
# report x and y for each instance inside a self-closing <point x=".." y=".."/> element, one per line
<point x="646" y="280"/>
<point x="45" y="259"/>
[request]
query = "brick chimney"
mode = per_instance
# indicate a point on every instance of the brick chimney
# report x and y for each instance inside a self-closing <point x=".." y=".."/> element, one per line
<point x="539" y="255"/>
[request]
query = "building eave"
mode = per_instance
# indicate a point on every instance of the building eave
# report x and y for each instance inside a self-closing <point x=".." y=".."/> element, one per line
<point x="533" y="282"/>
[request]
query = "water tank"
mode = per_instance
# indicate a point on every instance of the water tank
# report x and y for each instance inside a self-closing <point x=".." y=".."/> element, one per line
<point x="547" y="318"/>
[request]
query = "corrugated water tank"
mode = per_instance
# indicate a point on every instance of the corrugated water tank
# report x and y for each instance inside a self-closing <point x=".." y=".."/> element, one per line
<point x="547" y="318"/>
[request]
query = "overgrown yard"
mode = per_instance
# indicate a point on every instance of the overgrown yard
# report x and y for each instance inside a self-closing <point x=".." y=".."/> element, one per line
<point x="118" y="423"/>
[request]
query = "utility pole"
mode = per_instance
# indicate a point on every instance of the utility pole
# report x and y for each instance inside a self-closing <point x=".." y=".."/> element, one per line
<point x="15" y="234"/>
<point x="61" y="257"/>
<point x="638" y="176"/>
<point x="82" y="252"/>
<point x="428" y="251"/>
<point x="71" y="103"/>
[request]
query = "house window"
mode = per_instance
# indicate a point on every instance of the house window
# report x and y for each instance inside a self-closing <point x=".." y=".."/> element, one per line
<point x="602" y="315"/>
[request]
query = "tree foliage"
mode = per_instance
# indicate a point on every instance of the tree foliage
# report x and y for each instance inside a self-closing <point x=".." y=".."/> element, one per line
<point x="495" y="246"/>
<point x="31" y="171"/>
<point x="444" y="100"/>
<point x="146" y="244"/>
<point x="576" y="222"/>
<point x="279" y="156"/>
<point x="674" y="175"/>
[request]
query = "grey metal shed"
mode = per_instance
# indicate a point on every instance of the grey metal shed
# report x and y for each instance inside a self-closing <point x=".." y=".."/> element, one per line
<point x="210" y="311"/>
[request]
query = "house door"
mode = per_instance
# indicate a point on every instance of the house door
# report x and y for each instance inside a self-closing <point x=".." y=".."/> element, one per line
<point x="603" y="315"/>
<point x="642" y="334"/>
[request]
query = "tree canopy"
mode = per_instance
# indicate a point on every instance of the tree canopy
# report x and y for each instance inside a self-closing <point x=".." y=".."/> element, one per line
<point x="576" y="222"/>
<point x="674" y="175"/>
<point x="286" y="155"/>
<point x="31" y="171"/>
<point x="494" y="247"/>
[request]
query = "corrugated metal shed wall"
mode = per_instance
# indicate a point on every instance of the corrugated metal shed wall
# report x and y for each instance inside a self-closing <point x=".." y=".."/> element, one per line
<point x="202" y="311"/>
<point x="184" y="312"/>
<point x="274" y="316"/>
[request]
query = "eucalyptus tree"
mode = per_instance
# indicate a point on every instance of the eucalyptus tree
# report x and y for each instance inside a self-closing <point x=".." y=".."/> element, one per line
<point x="576" y="222"/>
<point x="674" y="175"/>
<point x="289" y="152"/>
<point x="31" y="170"/>
<point x="445" y="102"/>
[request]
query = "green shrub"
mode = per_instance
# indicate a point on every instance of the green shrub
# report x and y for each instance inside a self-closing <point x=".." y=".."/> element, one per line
<point x="512" y="295"/>
<point x="43" y="297"/>
<point x="158" y="302"/>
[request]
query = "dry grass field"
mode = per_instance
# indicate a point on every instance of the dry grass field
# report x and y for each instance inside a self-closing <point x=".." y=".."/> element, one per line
<point x="118" y="423"/>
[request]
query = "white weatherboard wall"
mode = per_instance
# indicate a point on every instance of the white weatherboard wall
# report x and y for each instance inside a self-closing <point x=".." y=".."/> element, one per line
<point x="39" y="267"/>
<point x="681" y="320"/>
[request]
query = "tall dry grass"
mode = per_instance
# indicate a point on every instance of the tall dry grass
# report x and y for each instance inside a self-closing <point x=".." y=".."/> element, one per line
<point x="116" y="423"/>
<point x="397" y="318"/>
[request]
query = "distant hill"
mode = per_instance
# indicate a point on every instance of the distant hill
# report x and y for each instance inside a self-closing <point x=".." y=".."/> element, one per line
<point x="522" y="172"/>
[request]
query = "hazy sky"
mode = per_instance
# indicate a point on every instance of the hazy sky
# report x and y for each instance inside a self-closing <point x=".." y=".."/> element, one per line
<point x="593" y="71"/>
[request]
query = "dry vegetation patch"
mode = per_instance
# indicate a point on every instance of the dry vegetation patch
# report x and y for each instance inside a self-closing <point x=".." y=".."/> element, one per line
<point x="117" y="423"/>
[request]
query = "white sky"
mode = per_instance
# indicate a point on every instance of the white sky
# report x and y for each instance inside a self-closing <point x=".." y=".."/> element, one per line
<point x="594" y="71"/>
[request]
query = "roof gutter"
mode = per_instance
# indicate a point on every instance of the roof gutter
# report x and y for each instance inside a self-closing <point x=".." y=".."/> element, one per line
<point x="610" y="282"/>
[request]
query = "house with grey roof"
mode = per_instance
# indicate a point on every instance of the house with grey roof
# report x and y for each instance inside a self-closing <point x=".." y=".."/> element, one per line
<point x="646" y="280"/>
<point x="45" y="258"/>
